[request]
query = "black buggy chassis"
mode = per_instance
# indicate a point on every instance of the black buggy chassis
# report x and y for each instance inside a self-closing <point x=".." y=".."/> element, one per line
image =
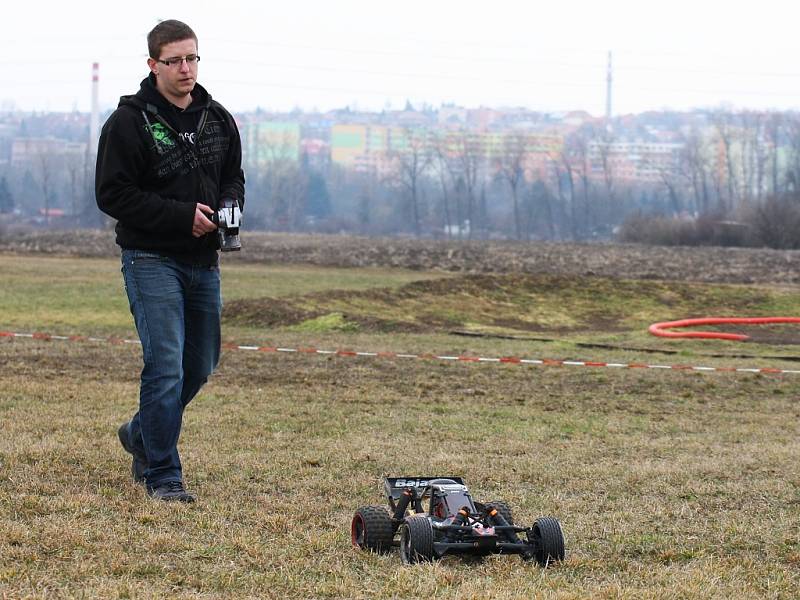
<point x="452" y="523"/>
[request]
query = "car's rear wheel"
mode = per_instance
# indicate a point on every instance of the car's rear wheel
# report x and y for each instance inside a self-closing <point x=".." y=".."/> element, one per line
<point x="371" y="529"/>
<point x="416" y="540"/>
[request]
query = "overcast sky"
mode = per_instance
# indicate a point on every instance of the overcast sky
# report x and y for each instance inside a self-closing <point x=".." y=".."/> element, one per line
<point x="373" y="55"/>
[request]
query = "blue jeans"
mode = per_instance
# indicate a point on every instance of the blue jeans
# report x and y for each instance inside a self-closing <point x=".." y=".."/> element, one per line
<point x="177" y="310"/>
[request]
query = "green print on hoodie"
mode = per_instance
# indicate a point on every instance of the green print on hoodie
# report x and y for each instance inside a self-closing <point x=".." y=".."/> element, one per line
<point x="161" y="135"/>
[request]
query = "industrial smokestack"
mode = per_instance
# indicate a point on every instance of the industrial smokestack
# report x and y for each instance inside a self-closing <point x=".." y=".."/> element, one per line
<point x="94" y="123"/>
<point x="608" y="91"/>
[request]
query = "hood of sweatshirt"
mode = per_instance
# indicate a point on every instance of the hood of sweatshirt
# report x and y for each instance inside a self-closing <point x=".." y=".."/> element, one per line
<point x="148" y="98"/>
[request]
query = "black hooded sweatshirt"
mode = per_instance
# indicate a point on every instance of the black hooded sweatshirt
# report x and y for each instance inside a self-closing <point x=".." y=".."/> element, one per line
<point x="155" y="162"/>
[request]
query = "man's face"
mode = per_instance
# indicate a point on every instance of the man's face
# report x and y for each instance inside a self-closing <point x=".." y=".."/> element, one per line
<point x="176" y="80"/>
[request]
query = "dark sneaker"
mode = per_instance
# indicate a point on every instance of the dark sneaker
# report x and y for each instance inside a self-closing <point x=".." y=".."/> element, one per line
<point x="139" y="465"/>
<point x="171" y="491"/>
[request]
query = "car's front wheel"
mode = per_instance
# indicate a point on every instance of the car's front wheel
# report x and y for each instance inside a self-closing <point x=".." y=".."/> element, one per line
<point x="548" y="541"/>
<point x="416" y="540"/>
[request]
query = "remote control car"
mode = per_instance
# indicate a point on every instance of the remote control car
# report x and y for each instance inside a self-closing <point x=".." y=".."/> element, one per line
<point x="452" y="524"/>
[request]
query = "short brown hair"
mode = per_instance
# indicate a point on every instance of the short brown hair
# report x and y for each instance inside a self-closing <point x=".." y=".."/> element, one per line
<point x="167" y="32"/>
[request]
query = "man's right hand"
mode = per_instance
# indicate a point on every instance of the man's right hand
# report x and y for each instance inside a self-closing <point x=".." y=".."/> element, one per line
<point x="202" y="225"/>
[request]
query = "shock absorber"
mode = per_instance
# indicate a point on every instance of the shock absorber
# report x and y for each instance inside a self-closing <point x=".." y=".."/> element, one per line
<point x="408" y="495"/>
<point x="459" y="520"/>
<point x="499" y="520"/>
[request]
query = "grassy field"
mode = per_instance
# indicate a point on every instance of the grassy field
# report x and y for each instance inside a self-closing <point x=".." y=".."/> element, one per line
<point x="668" y="484"/>
<point x="76" y="296"/>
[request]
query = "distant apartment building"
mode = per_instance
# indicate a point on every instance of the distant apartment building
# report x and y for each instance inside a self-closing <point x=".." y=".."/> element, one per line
<point x="536" y="151"/>
<point x="365" y="148"/>
<point x="8" y="132"/>
<point x="539" y="150"/>
<point x="264" y="142"/>
<point x="635" y="162"/>
<point x="315" y="153"/>
<point x="375" y="148"/>
<point x="32" y="151"/>
<point x="455" y="117"/>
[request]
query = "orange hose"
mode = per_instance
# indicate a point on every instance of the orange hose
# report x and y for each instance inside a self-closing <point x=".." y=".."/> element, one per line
<point x="658" y="328"/>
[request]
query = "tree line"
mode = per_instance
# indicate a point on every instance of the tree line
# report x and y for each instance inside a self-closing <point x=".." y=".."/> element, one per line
<point x="740" y="170"/>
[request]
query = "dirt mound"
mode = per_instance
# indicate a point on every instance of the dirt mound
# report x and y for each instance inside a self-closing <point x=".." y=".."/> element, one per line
<point x="506" y="304"/>
<point x="716" y="265"/>
<point x="77" y="242"/>
<point x="266" y="312"/>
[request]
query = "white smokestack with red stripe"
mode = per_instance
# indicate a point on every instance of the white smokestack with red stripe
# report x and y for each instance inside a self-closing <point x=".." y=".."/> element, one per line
<point x="94" y="123"/>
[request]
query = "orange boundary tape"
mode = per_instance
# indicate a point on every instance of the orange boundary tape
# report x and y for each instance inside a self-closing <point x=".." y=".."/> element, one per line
<point x="657" y="329"/>
<point x="514" y="360"/>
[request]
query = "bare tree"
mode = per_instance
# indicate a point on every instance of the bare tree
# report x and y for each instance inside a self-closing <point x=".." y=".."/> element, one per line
<point x="753" y="159"/>
<point x="672" y="186"/>
<point x="443" y="170"/>
<point x="773" y="129"/>
<point x="76" y="171"/>
<point x="412" y="161"/>
<point x="6" y="198"/>
<point x="539" y="200"/>
<point x="46" y="167"/>
<point x="605" y="147"/>
<point x="579" y="152"/>
<point x="296" y="190"/>
<point x="793" y="162"/>
<point x="723" y="122"/>
<point x="281" y="185"/>
<point x="576" y="163"/>
<point x="511" y="168"/>
<point x="564" y="192"/>
<point x="672" y="175"/>
<point x="469" y="158"/>
<point x="694" y="166"/>
<point x="761" y="157"/>
<point x="565" y="180"/>
<point x="365" y="203"/>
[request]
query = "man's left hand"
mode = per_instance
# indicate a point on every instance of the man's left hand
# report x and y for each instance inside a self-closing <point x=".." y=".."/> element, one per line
<point x="202" y="225"/>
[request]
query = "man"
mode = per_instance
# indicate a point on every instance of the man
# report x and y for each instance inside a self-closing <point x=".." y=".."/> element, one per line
<point x="167" y="157"/>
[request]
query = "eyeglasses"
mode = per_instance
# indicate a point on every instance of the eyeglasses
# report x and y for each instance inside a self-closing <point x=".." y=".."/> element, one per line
<point x="177" y="61"/>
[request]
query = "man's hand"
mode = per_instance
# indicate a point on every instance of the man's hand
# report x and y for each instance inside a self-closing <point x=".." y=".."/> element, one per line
<point x="202" y="225"/>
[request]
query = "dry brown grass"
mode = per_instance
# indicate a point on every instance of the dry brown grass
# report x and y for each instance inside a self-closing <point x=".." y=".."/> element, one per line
<point x="669" y="484"/>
